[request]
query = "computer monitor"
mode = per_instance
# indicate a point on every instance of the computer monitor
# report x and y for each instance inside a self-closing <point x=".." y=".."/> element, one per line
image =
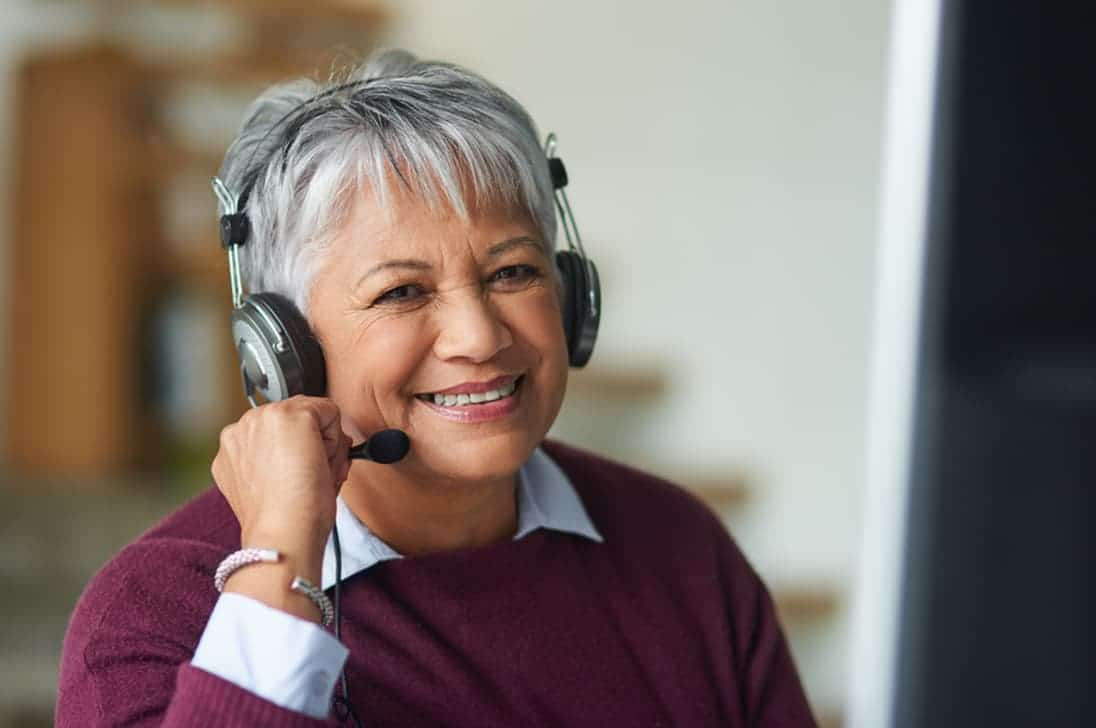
<point x="976" y="598"/>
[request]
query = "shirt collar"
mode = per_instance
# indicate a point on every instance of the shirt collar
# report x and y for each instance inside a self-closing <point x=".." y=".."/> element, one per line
<point x="545" y="499"/>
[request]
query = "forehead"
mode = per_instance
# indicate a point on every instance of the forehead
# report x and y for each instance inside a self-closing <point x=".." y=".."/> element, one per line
<point x="401" y="223"/>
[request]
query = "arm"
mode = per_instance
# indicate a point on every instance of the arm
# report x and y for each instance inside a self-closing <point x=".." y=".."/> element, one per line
<point x="775" y="697"/>
<point x="289" y="661"/>
<point x="772" y="695"/>
<point x="127" y="652"/>
<point x="126" y="658"/>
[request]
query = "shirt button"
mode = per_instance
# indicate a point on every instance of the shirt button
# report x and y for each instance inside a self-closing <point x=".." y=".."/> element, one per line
<point x="321" y="683"/>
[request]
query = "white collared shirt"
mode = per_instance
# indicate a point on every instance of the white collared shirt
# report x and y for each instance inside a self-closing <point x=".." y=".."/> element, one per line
<point x="294" y="662"/>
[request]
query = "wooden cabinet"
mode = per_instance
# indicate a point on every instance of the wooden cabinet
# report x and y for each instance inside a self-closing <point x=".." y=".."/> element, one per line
<point x="102" y="263"/>
<point x="79" y="245"/>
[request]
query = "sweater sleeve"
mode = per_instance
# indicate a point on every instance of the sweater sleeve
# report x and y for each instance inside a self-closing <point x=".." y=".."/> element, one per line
<point x="126" y="657"/>
<point x="772" y="695"/>
<point x="776" y="698"/>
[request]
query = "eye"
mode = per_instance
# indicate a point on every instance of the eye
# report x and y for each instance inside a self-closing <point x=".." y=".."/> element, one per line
<point x="516" y="276"/>
<point x="400" y="294"/>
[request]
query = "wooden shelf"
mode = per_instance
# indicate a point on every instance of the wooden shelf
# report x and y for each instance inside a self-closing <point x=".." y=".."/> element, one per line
<point x="335" y="12"/>
<point x="801" y="604"/>
<point x="160" y="161"/>
<point x="282" y="39"/>
<point x="629" y="383"/>
<point x="720" y="493"/>
<point x="101" y="113"/>
<point x="244" y="68"/>
<point x="76" y="247"/>
<point x="204" y="263"/>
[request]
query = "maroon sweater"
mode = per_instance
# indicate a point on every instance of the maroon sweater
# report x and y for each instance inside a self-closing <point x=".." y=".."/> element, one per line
<point x="663" y="624"/>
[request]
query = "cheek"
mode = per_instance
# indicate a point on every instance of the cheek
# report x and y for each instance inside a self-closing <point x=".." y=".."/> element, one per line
<point x="539" y="325"/>
<point x="368" y="370"/>
<point x="551" y="382"/>
<point x="542" y="332"/>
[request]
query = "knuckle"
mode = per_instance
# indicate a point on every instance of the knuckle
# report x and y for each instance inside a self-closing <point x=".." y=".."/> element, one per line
<point x="226" y="435"/>
<point x="299" y="415"/>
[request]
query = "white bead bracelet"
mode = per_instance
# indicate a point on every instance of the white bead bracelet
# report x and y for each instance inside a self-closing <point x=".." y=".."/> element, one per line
<point x="238" y="559"/>
<point x="243" y="557"/>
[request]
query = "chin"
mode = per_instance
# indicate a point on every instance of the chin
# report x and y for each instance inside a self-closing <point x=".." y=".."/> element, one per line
<point x="469" y="444"/>
<point x="474" y="459"/>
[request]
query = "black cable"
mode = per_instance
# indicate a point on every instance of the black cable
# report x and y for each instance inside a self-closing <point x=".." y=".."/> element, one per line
<point x="343" y="709"/>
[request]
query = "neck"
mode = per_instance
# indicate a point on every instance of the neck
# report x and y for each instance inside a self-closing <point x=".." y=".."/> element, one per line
<point x="416" y="517"/>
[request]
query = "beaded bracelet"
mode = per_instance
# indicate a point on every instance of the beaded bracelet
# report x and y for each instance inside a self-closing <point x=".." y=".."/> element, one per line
<point x="238" y="559"/>
<point x="304" y="586"/>
<point x="243" y="557"/>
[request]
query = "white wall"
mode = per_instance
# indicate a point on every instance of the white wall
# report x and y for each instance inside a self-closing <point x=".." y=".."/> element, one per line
<point x="723" y="160"/>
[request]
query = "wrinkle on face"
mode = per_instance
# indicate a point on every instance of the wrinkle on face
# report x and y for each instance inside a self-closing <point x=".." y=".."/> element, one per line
<point x="380" y="355"/>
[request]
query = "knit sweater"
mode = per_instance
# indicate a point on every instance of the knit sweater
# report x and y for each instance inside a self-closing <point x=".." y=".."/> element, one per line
<point x="663" y="624"/>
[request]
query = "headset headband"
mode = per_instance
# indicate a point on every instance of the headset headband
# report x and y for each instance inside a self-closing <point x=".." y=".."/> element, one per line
<point x="235" y="227"/>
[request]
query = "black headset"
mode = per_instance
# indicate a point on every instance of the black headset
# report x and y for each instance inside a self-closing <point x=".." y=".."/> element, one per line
<point x="281" y="357"/>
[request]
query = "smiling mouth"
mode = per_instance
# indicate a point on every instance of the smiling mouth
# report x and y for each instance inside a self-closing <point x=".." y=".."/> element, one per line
<point x="472" y="399"/>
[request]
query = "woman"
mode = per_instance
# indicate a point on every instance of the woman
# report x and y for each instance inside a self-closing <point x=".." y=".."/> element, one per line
<point x="488" y="578"/>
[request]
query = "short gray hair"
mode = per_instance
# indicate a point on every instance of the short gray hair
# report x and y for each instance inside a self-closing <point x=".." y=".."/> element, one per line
<point x="306" y="147"/>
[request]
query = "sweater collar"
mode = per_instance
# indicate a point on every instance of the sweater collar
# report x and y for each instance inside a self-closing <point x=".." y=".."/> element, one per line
<point x="545" y="499"/>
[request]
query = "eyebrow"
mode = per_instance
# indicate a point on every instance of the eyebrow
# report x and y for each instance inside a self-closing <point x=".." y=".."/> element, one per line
<point x="399" y="263"/>
<point x="506" y="245"/>
<point x="405" y="263"/>
<point x="415" y="264"/>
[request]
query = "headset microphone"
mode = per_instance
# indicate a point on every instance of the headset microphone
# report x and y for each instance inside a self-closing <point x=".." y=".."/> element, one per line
<point x="385" y="447"/>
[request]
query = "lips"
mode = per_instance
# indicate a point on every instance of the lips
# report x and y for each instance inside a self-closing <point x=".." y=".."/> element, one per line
<point x="474" y="393"/>
<point x="493" y="404"/>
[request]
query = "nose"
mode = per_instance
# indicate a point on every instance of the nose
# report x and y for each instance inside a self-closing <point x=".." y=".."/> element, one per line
<point x="471" y="328"/>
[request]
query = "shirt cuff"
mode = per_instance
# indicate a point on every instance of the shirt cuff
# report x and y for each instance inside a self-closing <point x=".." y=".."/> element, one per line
<point x="289" y="661"/>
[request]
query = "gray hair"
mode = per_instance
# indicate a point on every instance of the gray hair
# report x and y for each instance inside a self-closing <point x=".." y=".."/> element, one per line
<point x="306" y="148"/>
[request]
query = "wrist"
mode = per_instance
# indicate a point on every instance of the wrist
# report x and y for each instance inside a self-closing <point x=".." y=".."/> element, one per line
<point x="269" y="583"/>
<point x="304" y="555"/>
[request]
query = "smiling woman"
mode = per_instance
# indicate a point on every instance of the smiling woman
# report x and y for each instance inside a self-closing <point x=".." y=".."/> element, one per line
<point x="470" y="306"/>
<point x="489" y="577"/>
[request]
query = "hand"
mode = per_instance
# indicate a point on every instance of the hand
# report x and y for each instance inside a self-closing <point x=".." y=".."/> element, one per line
<point x="280" y="467"/>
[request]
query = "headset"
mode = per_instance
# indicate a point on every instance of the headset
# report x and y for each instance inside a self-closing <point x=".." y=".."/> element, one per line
<point x="280" y="356"/>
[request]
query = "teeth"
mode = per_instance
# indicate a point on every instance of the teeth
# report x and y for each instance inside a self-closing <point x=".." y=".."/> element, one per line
<point x="459" y="400"/>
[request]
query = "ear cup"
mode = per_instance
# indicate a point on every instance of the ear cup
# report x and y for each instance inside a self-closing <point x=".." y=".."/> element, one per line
<point x="303" y="342"/>
<point x="568" y="274"/>
<point x="279" y="354"/>
<point x="581" y="305"/>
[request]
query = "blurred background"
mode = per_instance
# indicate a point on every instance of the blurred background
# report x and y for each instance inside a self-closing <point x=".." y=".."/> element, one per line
<point x="723" y="158"/>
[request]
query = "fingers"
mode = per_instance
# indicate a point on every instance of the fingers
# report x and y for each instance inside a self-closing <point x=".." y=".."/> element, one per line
<point x="336" y="443"/>
<point x="323" y="417"/>
<point x="328" y="417"/>
<point x="280" y="466"/>
<point x="340" y="461"/>
<point x="329" y="422"/>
